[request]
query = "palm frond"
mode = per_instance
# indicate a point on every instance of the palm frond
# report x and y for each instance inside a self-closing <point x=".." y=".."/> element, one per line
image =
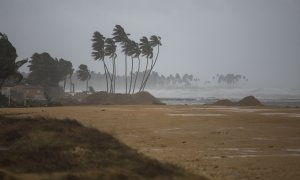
<point x="155" y="41"/>
<point x="98" y="46"/>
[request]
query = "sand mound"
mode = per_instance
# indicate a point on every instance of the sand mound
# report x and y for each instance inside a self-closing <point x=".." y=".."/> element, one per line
<point x="246" y="101"/>
<point x="104" y="98"/>
<point x="249" y="101"/>
<point x="224" y="102"/>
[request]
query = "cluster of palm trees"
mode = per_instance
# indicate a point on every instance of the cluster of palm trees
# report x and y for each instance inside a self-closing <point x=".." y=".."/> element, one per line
<point x="106" y="47"/>
<point x="230" y="79"/>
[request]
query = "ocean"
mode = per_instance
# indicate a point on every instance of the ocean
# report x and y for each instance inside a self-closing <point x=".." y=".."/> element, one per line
<point x="268" y="96"/>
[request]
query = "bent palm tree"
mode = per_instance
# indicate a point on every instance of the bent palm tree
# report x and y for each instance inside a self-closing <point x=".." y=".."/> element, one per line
<point x="135" y="52"/>
<point x="110" y="51"/>
<point x="99" y="53"/>
<point x="147" y="51"/>
<point x="154" y="41"/>
<point x="83" y="74"/>
<point x="129" y="49"/>
<point x="120" y="36"/>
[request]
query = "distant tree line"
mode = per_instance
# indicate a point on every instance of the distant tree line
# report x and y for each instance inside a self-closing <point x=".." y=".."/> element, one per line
<point x="155" y="81"/>
<point x="83" y="80"/>
<point x="230" y="80"/>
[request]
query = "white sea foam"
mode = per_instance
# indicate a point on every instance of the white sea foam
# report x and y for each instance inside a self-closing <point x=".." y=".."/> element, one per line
<point x="271" y="96"/>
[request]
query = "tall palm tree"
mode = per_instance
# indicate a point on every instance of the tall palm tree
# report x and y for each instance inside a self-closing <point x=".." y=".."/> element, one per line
<point x="110" y="51"/>
<point x="147" y="51"/>
<point x="135" y="52"/>
<point x="129" y="50"/>
<point x="99" y="53"/>
<point x="155" y="41"/>
<point x="120" y="36"/>
<point x="83" y="74"/>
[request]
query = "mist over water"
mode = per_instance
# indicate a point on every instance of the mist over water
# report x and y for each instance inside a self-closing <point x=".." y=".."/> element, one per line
<point x="269" y="96"/>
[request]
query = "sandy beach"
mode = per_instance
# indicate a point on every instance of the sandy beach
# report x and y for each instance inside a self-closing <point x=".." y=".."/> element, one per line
<point x="215" y="141"/>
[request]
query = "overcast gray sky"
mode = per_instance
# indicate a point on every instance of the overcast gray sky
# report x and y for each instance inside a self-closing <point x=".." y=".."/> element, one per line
<point x="257" y="38"/>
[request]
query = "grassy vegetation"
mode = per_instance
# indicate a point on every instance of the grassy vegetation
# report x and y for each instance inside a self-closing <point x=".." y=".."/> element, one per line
<point x="34" y="148"/>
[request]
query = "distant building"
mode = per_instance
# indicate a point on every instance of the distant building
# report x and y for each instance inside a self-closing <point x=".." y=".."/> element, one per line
<point x="21" y="92"/>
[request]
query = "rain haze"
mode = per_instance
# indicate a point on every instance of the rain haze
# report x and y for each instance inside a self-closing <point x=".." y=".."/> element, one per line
<point x="259" y="39"/>
<point x="150" y="89"/>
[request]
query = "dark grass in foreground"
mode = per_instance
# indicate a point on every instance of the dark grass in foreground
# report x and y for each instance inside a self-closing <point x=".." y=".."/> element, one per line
<point x="35" y="148"/>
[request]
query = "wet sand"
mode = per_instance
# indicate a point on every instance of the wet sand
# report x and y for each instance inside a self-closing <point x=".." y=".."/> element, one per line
<point x="218" y="142"/>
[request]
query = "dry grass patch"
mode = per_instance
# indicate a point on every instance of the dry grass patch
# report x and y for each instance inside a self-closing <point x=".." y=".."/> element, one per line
<point x="39" y="146"/>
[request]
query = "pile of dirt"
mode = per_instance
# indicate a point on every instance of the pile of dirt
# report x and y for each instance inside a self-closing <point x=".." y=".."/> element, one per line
<point x="246" y="101"/>
<point x="104" y="98"/>
<point x="224" y="102"/>
<point x="68" y="150"/>
<point x="249" y="101"/>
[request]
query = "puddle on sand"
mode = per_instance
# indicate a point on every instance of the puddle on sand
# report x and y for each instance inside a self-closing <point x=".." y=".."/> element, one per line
<point x="263" y="139"/>
<point x="293" y="150"/>
<point x="166" y="130"/>
<point x="248" y="150"/>
<point x="233" y="109"/>
<point x="245" y="110"/>
<point x="294" y="115"/>
<point x="253" y="156"/>
<point x="165" y="109"/>
<point x="170" y="129"/>
<point x="191" y="115"/>
<point x="297" y="115"/>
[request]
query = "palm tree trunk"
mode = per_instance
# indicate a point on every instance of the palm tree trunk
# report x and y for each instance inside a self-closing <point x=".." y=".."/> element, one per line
<point x="137" y="73"/>
<point x="71" y="82"/>
<point x="147" y="76"/>
<point x="115" y="74"/>
<point x="144" y="76"/>
<point x="152" y="65"/>
<point x="105" y="76"/>
<point x="65" y="81"/>
<point x="87" y="86"/>
<point x="131" y="74"/>
<point x="110" y="78"/>
<point x="126" y="74"/>
<point x="73" y="87"/>
<point x="1" y="83"/>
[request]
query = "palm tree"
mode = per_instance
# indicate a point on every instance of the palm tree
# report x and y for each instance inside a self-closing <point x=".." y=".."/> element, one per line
<point x="71" y="83"/>
<point x="99" y="53"/>
<point x="128" y="49"/>
<point x="8" y="65"/>
<point x="135" y="52"/>
<point x="65" y="70"/>
<point x="147" y="51"/>
<point x="154" y="41"/>
<point x="83" y="74"/>
<point x="110" y="51"/>
<point x="120" y="36"/>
